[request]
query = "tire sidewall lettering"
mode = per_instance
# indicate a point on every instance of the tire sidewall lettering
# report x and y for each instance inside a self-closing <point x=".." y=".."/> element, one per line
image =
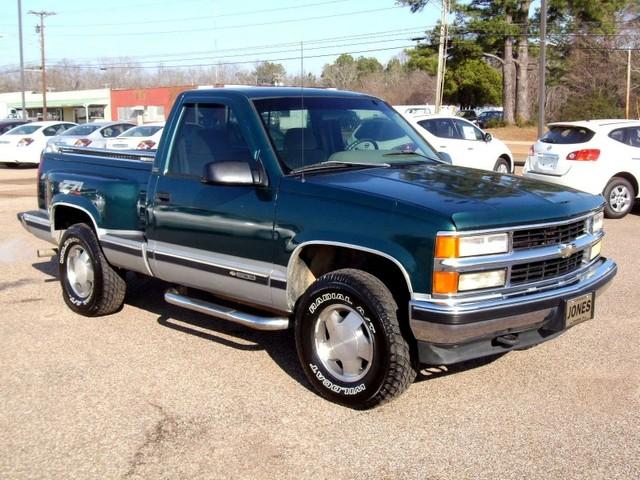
<point x="312" y="310"/>
<point x="69" y="242"/>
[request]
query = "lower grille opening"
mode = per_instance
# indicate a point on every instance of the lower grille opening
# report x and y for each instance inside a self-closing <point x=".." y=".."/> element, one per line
<point x="546" y="269"/>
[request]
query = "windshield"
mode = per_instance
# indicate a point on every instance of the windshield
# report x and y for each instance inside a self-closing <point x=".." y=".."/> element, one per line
<point x="24" y="130"/>
<point x="143" y="131"/>
<point x="314" y="130"/>
<point x="81" y="130"/>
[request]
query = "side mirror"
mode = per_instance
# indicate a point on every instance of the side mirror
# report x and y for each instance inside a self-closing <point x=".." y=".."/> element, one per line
<point x="487" y="137"/>
<point x="445" y="157"/>
<point x="231" y="173"/>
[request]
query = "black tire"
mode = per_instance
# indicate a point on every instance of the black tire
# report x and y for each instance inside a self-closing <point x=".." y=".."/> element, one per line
<point x="616" y="207"/>
<point x="501" y="162"/>
<point x="388" y="373"/>
<point x="106" y="294"/>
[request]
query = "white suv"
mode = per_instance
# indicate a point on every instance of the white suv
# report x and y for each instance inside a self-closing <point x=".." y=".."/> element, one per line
<point x="596" y="156"/>
<point x="466" y="144"/>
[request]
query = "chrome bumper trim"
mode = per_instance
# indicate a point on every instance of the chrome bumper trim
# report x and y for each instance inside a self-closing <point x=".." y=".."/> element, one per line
<point x="38" y="224"/>
<point x="450" y="322"/>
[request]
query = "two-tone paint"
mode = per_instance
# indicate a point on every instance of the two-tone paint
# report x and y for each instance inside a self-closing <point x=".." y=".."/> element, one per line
<point x="242" y="242"/>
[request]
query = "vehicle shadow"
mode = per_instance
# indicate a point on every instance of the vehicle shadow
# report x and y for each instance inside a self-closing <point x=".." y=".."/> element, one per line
<point x="148" y="294"/>
<point x="431" y="372"/>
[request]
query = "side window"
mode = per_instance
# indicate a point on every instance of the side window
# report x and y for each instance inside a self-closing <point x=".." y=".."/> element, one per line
<point x="633" y="137"/>
<point x="112" y="131"/>
<point x="468" y="131"/>
<point x="206" y="133"/>
<point x="121" y="128"/>
<point x="51" y="131"/>
<point x="441" y="127"/>
<point x="618" y="135"/>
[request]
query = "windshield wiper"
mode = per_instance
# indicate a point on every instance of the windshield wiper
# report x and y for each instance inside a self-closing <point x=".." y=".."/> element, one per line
<point x="391" y="154"/>
<point x="336" y="164"/>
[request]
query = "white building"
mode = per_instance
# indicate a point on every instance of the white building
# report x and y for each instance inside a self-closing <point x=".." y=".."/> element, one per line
<point x="71" y="106"/>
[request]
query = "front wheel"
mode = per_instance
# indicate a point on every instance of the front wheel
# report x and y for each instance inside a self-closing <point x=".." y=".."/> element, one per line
<point x="620" y="196"/>
<point x="501" y="166"/>
<point x="349" y="341"/>
<point x="90" y="286"/>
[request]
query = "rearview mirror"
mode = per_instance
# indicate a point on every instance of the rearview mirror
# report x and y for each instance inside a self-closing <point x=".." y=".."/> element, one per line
<point x="487" y="137"/>
<point x="230" y="173"/>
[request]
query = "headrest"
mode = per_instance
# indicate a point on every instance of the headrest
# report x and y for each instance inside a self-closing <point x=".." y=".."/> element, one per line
<point x="299" y="139"/>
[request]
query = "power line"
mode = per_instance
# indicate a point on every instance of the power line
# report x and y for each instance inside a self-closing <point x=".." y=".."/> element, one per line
<point x="228" y="27"/>
<point x="245" y="62"/>
<point x="202" y="17"/>
<point x="382" y="35"/>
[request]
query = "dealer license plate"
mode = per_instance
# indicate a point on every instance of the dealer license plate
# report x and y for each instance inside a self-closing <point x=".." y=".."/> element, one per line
<point x="579" y="309"/>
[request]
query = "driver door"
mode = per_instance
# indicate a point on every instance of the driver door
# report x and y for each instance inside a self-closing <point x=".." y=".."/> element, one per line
<point x="218" y="237"/>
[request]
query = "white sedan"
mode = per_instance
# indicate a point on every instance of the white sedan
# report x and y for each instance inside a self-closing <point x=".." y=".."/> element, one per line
<point x="24" y="144"/>
<point x="596" y="156"/>
<point x="142" y="137"/>
<point x="465" y="143"/>
<point x="93" y="135"/>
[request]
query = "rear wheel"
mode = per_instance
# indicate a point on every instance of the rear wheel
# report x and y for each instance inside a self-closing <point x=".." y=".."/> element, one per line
<point x="620" y="196"/>
<point x="90" y="286"/>
<point x="349" y="341"/>
<point x="501" y="166"/>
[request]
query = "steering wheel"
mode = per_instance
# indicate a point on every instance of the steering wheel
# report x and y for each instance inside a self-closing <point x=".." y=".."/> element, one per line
<point x="366" y="143"/>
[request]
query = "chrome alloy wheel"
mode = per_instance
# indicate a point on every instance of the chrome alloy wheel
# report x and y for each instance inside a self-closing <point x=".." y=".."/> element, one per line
<point x="502" y="168"/>
<point x="620" y="198"/>
<point x="344" y="342"/>
<point x="80" y="272"/>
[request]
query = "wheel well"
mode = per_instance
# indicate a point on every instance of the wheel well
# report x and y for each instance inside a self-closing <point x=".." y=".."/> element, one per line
<point x="65" y="216"/>
<point x="314" y="261"/>
<point x="506" y="158"/>
<point x="630" y="178"/>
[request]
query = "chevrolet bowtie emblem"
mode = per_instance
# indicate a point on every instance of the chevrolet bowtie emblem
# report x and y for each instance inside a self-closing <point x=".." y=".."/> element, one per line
<point x="566" y="250"/>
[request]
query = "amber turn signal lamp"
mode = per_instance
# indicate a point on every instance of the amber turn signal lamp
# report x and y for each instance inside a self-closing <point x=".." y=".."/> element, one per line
<point x="446" y="247"/>
<point x="445" y="282"/>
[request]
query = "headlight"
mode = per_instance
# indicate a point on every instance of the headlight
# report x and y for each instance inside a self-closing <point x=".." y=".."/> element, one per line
<point x="597" y="221"/>
<point x="453" y="247"/>
<point x="454" y="282"/>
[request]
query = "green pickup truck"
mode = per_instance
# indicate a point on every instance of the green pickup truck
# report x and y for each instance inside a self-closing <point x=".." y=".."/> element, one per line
<point x="326" y="212"/>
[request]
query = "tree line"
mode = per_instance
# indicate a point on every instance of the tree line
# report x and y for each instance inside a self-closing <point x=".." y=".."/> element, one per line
<point x="491" y="56"/>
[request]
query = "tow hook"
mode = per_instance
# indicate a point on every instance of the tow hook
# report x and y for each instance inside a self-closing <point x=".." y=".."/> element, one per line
<point x="508" y="340"/>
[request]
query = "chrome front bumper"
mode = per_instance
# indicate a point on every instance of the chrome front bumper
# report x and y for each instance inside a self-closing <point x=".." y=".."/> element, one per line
<point x="450" y="332"/>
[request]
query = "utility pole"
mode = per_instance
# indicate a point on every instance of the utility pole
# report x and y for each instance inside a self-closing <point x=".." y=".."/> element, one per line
<point x="444" y="19"/>
<point x="22" y="87"/>
<point x="628" y="82"/>
<point x="543" y="67"/>
<point x="40" y="30"/>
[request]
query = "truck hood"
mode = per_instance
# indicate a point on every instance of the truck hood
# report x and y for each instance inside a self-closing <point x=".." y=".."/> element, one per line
<point x="471" y="199"/>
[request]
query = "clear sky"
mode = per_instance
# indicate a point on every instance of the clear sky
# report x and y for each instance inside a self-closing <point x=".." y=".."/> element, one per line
<point x="201" y="32"/>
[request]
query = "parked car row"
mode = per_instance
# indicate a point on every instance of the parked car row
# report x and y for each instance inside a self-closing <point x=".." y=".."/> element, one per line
<point x="23" y="143"/>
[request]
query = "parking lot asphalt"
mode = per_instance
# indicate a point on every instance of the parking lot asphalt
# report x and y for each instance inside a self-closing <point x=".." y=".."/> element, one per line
<point x="159" y="392"/>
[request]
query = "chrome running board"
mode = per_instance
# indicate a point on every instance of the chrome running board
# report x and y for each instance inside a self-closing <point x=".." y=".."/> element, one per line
<point x="256" y="322"/>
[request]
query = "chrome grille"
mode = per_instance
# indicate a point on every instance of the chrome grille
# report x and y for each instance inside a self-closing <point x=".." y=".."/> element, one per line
<point x="552" y="235"/>
<point x="546" y="269"/>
